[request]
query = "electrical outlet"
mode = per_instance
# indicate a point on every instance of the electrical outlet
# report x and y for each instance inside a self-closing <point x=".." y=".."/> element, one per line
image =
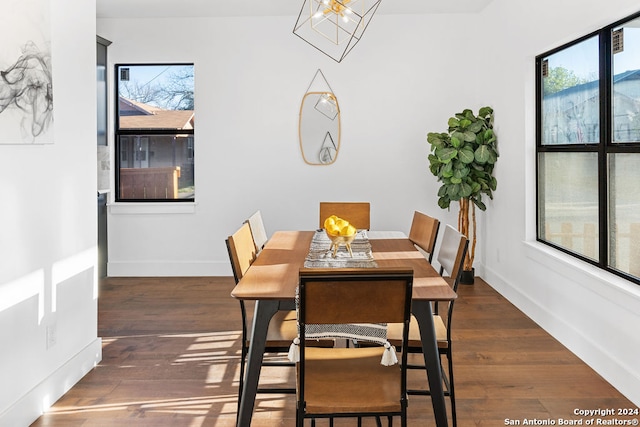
<point x="52" y="335"/>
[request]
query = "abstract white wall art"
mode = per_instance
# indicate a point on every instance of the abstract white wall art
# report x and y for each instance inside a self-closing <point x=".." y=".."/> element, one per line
<point x="26" y="89"/>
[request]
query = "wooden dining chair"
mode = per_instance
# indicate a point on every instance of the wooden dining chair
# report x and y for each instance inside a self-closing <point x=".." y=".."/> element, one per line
<point x="283" y="326"/>
<point x="258" y="231"/>
<point x="357" y="213"/>
<point x="453" y="249"/>
<point x="424" y="232"/>
<point x="352" y="382"/>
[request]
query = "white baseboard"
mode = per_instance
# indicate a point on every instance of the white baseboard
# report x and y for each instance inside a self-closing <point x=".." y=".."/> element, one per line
<point x="168" y="269"/>
<point x="32" y="405"/>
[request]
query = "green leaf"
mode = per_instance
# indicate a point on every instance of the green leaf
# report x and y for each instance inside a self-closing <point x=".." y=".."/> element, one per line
<point x="480" y="205"/>
<point x="466" y="190"/>
<point x="493" y="184"/>
<point x="437" y="139"/>
<point x="466" y="155"/>
<point x="476" y="127"/>
<point x="469" y="136"/>
<point x="442" y="191"/>
<point x="457" y="135"/>
<point x="468" y="114"/>
<point x="482" y="154"/>
<point x="485" y="111"/>
<point x="445" y="154"/>
<point x="493" y="157"/>
<point x="453" y="122"/>
<point x="447" y="170"/>
<point x="444" y="202"/>
<point x="465" y="123"/>
<point x="453" y="191"/>
<point x="461" y="172"/>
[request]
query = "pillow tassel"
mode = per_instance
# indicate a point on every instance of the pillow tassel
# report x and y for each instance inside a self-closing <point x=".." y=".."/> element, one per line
<point x="294" y="351"/>
<point x="389" y="356"/>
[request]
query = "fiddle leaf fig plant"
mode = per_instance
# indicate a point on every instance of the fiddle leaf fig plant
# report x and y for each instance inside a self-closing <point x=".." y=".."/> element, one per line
<point x="463" y="159"/>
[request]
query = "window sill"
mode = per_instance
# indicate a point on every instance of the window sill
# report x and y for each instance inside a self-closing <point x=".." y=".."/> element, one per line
<point x="151" y="208"/>
<point x="617" y="288"/>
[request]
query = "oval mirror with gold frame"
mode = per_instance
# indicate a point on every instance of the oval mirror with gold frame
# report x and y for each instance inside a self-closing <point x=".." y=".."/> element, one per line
<point x="319" y="125"/>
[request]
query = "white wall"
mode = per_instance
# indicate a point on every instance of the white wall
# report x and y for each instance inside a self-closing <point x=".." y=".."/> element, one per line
<point x="48" y="235"/>
<point x="594" y="314"/>
<point x="251" y="75"/>
<point x="406" y="77"/>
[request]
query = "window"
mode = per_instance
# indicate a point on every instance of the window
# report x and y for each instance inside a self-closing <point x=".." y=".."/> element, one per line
<point x="155" y="132"/>
<point x="588" y="148"/>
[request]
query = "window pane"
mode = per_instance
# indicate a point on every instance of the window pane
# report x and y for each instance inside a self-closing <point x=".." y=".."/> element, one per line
<point x="155" y="132"/>
<point x="155" y="96"/>
<point x="624" y="217"/>
<point x="156" y="167"/>
<point x="626" y="82"/>
<point x="570" y="99"/>
<point x="568" y="201"/>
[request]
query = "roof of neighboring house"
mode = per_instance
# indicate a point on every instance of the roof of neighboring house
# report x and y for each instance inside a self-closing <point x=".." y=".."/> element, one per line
<point x="594" y="85"/>
<point x="136" y="115"/>
<point x="627" y="75"/>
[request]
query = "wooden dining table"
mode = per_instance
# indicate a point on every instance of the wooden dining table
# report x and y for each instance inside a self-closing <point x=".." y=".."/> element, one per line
<point x="272" y="279"/>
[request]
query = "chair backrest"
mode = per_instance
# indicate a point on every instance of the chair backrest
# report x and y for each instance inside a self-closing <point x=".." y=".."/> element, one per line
<point x="257" y="230"/>
<point x="335" y="296"/>
<point x="453" y="249"/>
<point x="424" y="232"/>
<point x="347" y="296"/>
<point x="357" y="213"/>
<point x="242" y="251"/>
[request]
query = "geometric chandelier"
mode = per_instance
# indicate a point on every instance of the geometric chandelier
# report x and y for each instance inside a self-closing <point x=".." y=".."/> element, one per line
<point x="334" y="27"/>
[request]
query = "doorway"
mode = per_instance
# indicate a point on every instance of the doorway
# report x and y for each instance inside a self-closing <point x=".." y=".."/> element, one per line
<point x="103" y="155"/>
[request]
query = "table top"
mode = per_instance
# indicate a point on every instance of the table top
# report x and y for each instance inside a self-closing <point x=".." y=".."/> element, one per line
<point x="274" y="274"/>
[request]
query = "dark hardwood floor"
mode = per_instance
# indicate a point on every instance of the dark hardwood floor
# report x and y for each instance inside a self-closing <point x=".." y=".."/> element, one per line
<point x="171" y="349"/>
